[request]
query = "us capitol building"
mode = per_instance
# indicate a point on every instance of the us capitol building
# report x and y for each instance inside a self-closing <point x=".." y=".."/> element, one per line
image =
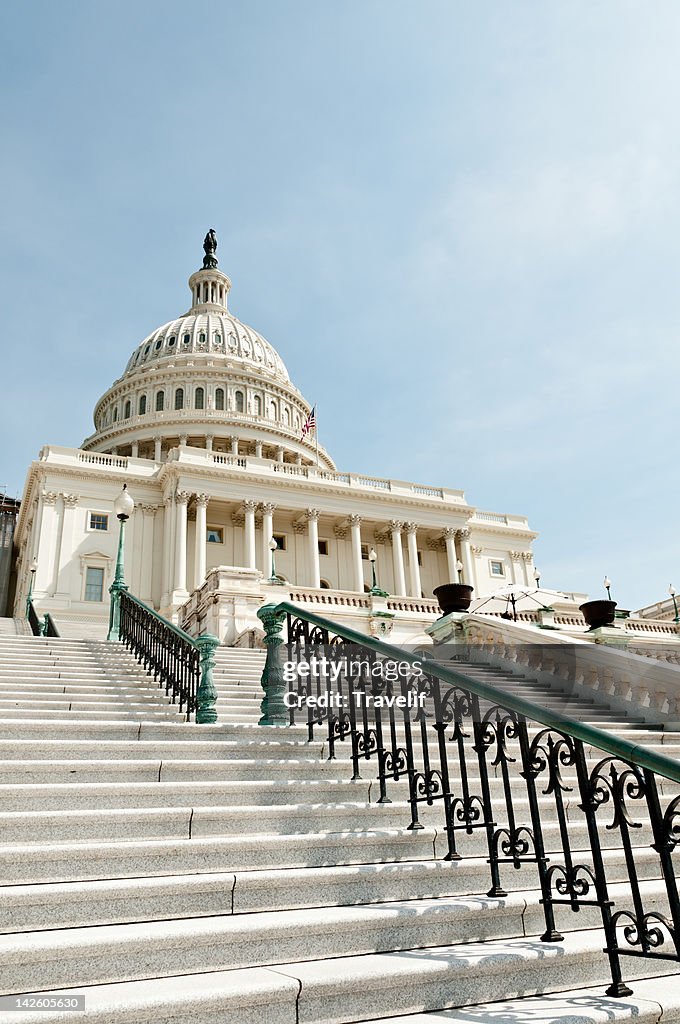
<point x="206" y="429"/>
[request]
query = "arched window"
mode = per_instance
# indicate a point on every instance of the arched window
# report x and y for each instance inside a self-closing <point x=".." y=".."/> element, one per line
<point x="325" y="585"/>
<point x="257" y="405"/>
<point x="142" y="405"/>
<point x="171" y="341"/>
<point x="201" y="337"/>
<point x="286" y="417"/>
<point x="127" y="410"/>
<point x="115" y="415"/>
<point x="273" y="411"/>
<point x="217" y="337"/>
<point x="199" y="399"/>
<point x="186" y="339"/>
<point x="160" y="401"/>
<point x="179" y="398"/>
<point x="219" y="398"/>
<point x="238" y="400"/>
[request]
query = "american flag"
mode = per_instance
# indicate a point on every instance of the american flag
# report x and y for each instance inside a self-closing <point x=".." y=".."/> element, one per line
<point x="310" y="423"/>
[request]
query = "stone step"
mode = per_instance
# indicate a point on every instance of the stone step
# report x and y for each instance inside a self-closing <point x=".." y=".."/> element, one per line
<point x="49" y="750"/>
<point x="381" y="974"/>
<point x="170" y="732"/>
<point x="169" y="770"/>
<point x="25" y="710"/>
<point x="68" y="862"/>
<point x="52" y="905"/>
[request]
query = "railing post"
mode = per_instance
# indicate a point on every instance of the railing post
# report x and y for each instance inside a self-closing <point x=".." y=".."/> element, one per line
<point x="274" y="711"/>
<point x="206" y="695"/>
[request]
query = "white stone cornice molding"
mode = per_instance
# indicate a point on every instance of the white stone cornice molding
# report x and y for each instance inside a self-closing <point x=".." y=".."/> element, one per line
<point x="50" y="497"/>
<point x="70" y="500"/>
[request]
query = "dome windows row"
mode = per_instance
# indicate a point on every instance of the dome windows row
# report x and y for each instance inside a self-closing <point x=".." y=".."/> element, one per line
<point x="240" y="400"/>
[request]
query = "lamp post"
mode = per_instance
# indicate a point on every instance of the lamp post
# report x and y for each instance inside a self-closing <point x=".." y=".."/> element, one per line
<point x="459" y="571"/>
<point x="607" y="583"/>
<point x="123" y="508"/>
<point x="33" y="568"/>
<point x="537" y="578"/>
<point x="273" y="578"/>
<point x="375" y="589"/>
<point x="671" y="591"/>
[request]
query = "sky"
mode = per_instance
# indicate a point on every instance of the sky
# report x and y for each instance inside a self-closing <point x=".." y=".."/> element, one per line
<point x="458" y="223"/>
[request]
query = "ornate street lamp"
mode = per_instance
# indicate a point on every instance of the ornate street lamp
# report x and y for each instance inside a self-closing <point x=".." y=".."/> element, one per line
<point x="672" y="592"/>
<point x="459" y="570"/>
<point x="375" y="589"/>
<point x="273" y="578"/>
<point x="123" y="508"/>
<point x="33" y="568"/>
<point x="607" y="583"/>
<point x="537" y="578"/>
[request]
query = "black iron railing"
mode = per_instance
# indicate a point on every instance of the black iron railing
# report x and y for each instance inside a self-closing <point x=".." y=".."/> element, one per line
<point x="44" y="627"/>
<point x="164" y="650"/>
<point x="582" y="805"/>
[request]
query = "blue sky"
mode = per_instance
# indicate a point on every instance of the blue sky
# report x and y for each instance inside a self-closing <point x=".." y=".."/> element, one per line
<point x="459" y="224"/>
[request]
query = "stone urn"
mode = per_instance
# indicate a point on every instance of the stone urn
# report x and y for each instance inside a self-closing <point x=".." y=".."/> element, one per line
<point x="453" y="597"/>
<point x="598" y="613"/>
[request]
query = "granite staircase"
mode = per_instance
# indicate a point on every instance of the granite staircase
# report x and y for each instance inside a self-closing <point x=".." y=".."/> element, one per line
<point x="232" y="874"/>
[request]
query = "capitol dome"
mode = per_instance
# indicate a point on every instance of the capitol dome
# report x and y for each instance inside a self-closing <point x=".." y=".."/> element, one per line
<point x="206" y="380"/>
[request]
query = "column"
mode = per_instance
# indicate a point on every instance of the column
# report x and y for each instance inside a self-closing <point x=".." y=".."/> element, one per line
<point x="258" y="449"/>
<point x="66" y="546"/>
<point x="157" y="449"/>
<point x="449" y="535"/>
<point x="515" y="558"/>
<point x="46" y="542"/>
<point x="168" y="545"/>
<point x="398" y="558"/>
<point x="146" y="560"/>
<point x="249" y="510"/>
<point x="312" y="516"/>
<point x="413" y="567"/>
<point x="209" y="438"/>
<point x="466" y="557"/>
<point x="234" y="445"/>
<point x="279" y="454"/>
<point x="357" y="563"/>
<point x="201" y="535"/>
<point x="135" y="449"/>
<point x="267" y="531"/>
<point x="183" y="439"/>
<point x="181" y="500"/>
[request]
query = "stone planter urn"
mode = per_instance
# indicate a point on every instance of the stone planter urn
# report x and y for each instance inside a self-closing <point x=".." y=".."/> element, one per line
<point x="453" y="597"/>
<point x="598" y="613"/>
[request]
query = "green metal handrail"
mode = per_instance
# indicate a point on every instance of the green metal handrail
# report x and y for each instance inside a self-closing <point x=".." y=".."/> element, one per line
<point x="272" y="617"/>
<point x="46" y="627"/>
<point x="150" y="638"/>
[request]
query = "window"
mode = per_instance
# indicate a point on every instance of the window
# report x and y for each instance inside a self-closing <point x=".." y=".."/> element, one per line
<point x="160" y="401"/>
<point x="286" y="417"/>
<point x="215" y="535"/>
<point x="364" y="552"/>
<point x="98" y="521"/>
<point x="127" y="410"/>
<point x="219" y="398"/>
<point x="171" y="341"/>
<point x="273" y="412"/>
<point x="142" y="405"/>
<point x="201" y="337"/>
<point x="159" y="343"/>
<point x="496" y="568"/>
<point x="280" y="539"/>
<point x="115" y="415"/>
<point x="217" y="338"/>
<point x="186" y="339"/>
<point x="179" y="398"/>
<point x="420" y="558"/>
<point x="238" y="399"/>
<point x="324" y="584"/>
<point x="257" y="405"/>
<point x="323" y="547"/>
<point x="199" y="399"/>
<point x="94" y="584"/>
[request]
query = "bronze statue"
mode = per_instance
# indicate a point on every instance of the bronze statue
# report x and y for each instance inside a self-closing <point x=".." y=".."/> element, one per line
<point x="209" y="248"/>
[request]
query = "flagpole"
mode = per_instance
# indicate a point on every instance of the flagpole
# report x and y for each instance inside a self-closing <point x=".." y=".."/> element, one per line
<point x="316" y="434"/>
